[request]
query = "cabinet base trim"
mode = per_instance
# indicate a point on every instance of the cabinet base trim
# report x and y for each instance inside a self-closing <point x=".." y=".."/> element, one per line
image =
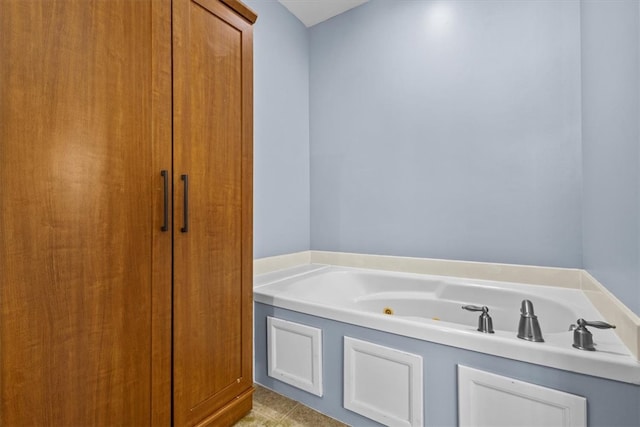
<point x="232" y="412"/>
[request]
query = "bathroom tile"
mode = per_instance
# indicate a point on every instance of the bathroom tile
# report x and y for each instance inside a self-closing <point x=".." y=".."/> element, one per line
<point x="271" y="409"/>
<point x="271" y="404"/>
<point x="255" y="419"/>
<point x="303" y="416"/>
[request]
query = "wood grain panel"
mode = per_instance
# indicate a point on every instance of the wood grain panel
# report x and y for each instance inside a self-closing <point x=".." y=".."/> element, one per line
<point x="212" y="262"/>
<point x="75" y="212"/>
<point x="242" y="9"/>
<point x="162" y="240"/>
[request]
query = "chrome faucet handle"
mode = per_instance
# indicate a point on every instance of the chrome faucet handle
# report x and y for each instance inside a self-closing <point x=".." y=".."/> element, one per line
<point x="596" y="324"/>
<point x="485" y="324"/>
<point x="582" y="338"/>
<point x="471" y="307"/>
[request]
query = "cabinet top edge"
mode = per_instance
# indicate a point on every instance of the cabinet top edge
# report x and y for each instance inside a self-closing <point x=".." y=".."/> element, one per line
<point x="239" y="7"/>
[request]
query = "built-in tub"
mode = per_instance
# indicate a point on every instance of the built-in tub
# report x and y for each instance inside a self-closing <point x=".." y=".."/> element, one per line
<point x="428" y="307"/>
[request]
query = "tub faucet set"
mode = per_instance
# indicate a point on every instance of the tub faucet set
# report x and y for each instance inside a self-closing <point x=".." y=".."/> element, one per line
<point x="529" y="327"/>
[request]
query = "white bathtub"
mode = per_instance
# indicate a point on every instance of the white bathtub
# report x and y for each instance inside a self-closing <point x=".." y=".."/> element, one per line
<point x="428" y="307"/>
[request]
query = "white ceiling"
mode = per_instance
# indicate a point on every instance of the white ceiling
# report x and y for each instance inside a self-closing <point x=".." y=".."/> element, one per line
<point x="312" y="12"/>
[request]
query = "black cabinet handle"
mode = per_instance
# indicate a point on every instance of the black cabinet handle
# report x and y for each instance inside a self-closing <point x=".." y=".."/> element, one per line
<point x="165" y="222"/>
<point x="185" y="178"/>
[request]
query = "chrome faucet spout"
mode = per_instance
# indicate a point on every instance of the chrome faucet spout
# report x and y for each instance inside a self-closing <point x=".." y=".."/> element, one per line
<point x="529" y="327"/>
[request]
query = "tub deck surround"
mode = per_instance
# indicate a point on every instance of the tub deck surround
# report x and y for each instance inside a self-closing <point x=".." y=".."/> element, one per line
<point x="427" y="307"/>
<point x="534" y="275"/>
<point x="627" y="323"/>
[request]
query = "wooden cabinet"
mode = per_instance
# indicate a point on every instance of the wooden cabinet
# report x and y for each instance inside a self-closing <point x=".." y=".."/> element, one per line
<point x="212" y="306"/>
<point x="106" y="319"/>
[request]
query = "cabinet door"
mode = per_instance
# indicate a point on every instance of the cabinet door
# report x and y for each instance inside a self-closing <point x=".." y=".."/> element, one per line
<point x="213" y="257"/>
<point x="75" y="212"/>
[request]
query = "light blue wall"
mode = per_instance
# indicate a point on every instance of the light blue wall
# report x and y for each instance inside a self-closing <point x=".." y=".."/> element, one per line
<point x="460" y="141"/>
<point x="611" y="140"/>
<point x="281" y="131"/>
<point x="454" y="138"/>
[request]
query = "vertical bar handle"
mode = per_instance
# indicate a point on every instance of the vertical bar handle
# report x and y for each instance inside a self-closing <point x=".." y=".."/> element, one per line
<point x="165" y="222"/>
<point x="185" y="227"/>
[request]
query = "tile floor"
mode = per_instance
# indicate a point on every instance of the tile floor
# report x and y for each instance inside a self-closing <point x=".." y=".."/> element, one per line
<point x="271" y="409"/>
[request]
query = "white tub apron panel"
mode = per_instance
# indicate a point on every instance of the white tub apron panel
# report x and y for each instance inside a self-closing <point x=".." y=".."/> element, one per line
<point x="486" y="399"/>
<point x="382" y="383"/>
<point x="295" y="354"/>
